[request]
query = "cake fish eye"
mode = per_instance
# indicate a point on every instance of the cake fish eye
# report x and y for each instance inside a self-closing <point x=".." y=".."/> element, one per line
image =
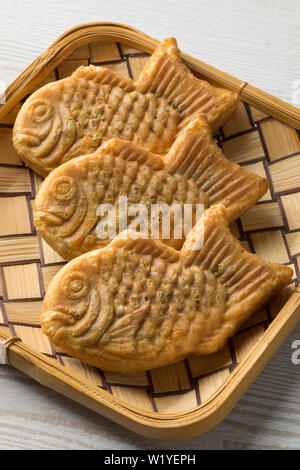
<point x="41" y="111"/>
<point x="75" y="286"/>
<point x="64" y="189"/>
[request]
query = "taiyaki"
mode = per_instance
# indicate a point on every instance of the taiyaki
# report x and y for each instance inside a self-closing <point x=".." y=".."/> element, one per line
<point x="139" y="304"/>
<point x="73" y="116"/>
<point x="195" y="171"/>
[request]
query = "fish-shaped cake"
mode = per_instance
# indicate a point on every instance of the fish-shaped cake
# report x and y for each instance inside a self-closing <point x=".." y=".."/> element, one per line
<point x="139" y="304"/>
<point x="73" y="116"/>
<point x="195" y="171"/>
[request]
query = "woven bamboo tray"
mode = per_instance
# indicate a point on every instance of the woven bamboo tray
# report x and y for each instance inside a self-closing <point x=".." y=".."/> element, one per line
<point x="190" y="397"/>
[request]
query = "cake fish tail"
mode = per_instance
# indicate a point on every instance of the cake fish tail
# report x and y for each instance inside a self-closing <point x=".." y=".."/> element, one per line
<point x="166" y="75"/>
<point x="195" y="154"/>
<point x="249" y="280"/>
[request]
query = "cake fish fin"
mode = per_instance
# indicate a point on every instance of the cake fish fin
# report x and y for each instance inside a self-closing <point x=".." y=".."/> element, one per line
<point x="132" y="153"/>
<point x="166" y="76"/>
<point x="103" y="311"/>
<point x="103" y="76"/>
<point x="248" y="280"/>
<point x="195" y="154"/>
<point x="119" y="339"/>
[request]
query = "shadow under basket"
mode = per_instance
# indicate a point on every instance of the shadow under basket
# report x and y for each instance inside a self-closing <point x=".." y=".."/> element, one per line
<point x="192" y="396"/>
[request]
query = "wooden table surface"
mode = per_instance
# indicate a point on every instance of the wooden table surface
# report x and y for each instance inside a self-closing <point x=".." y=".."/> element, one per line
<point x="257" y="42"/>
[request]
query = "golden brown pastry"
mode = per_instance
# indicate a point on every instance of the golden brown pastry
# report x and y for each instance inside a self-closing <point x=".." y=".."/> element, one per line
<point x="139" y="304"/>
<point x="194" y="171"/>
<point x="72" y="117"/>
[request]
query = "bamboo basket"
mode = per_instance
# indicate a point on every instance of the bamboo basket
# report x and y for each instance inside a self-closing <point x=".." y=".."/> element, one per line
<point x="192" y="396"/>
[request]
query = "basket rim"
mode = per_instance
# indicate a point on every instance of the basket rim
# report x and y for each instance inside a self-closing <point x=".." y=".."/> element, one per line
<point x="188" y="423"/>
